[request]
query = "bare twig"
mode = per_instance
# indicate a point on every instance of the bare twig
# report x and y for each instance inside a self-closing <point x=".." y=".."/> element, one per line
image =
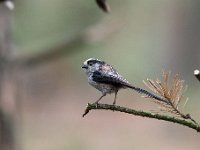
<point x="142" y="114"/>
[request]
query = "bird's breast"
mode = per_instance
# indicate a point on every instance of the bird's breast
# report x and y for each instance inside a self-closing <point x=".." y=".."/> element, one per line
<point x="104" y="88"/>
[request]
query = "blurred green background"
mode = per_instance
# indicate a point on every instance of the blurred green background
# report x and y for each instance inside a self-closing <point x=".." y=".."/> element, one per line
<point x="140" y="38"/>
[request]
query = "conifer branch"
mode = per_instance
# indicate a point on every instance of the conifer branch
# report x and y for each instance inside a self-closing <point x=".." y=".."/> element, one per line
<point x="179" y="121"/>
<point x="171" y="93"/>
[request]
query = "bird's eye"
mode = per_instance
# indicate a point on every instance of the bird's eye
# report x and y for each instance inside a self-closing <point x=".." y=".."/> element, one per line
<point x="90" y="64"/>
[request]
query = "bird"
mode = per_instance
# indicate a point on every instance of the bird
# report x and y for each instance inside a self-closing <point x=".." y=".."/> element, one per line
<point x="107" y="80"/>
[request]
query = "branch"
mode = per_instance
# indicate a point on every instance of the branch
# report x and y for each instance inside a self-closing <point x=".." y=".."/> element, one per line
<point x="142" y="114"/>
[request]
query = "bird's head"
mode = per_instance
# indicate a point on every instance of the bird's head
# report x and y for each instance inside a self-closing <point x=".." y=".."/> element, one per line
<point x="91" y="65"/>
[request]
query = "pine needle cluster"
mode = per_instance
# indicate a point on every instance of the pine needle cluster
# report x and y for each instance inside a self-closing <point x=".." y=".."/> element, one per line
<point x="171" y="93"/>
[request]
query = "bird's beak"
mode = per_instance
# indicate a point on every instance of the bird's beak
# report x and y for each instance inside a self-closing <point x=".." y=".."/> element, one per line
<point x="85" y="67"/>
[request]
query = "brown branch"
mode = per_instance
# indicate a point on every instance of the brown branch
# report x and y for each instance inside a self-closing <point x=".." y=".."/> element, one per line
<point x="142" y="114"/>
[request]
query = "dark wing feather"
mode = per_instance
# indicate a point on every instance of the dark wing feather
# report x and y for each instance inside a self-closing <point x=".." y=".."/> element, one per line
<point x="118" y="81"/>
<point x="109" y="79"/>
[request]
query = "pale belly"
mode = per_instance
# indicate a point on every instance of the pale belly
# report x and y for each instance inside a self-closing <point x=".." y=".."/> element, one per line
<point x="104" y="88"/>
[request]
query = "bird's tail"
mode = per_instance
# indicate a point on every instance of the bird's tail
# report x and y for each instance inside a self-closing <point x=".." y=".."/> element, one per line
<point x="142" y="91"/>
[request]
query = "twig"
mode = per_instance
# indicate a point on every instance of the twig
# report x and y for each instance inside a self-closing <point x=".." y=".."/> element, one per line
<point x="197" y="74"/>
<point x="142" y="114"/>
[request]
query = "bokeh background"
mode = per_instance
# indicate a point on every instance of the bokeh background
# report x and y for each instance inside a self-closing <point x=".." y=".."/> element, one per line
<point x="140" y="38"/>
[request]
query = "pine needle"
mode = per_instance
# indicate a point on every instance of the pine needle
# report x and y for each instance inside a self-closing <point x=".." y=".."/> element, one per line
<point x="172" y="93"/>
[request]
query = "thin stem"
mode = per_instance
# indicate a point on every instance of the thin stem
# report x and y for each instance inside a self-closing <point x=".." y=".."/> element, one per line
<point x="142" y="114"/>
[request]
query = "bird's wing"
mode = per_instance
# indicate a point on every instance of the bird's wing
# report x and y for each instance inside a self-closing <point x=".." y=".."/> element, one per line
<point x="112" y="78"/>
